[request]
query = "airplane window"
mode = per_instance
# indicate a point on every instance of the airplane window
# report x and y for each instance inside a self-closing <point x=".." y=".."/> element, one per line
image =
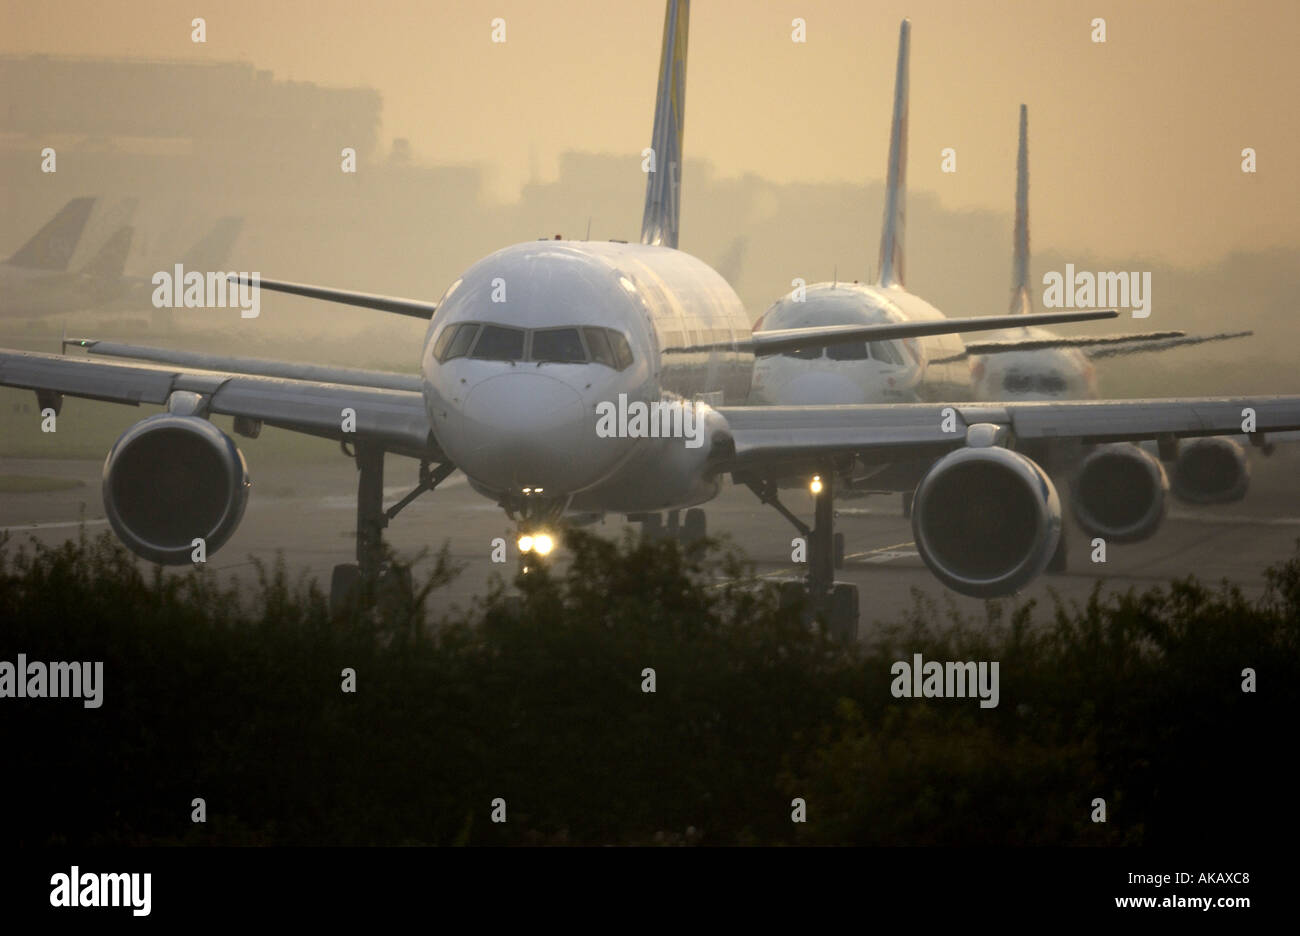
<point x="1016" y="383"/>
<point x="598" y="342"/>
<point x="459" y="345"/>
<point x="804" y="354"/>
<point x="500" y="344"/>
<point x="886" y="351"/>
<point x="849" y="351"/>
<point x="622" y="351"/>
<point x="561" y="345"/>
<point x="443" y="340"/>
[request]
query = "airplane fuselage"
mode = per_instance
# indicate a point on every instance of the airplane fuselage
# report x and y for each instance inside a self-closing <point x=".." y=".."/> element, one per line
<point x="909" y="371"/>
<point x="514" y="401"/>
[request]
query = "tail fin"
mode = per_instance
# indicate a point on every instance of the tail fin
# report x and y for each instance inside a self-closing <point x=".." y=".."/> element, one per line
<point x="54" y="244"/>
<point x="213" y="249"/>
<point x="659" y="223"/>
<point x="892" y="267"/>
<point x="110" y="260"/>
<point x="1021" y="300"/>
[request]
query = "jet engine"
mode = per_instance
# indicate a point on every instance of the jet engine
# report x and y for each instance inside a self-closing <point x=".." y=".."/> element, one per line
<point x="171" y="479"/>
<point x="1119" y="493"/>
<point x="1210" y="471"/>
<point x="986" y="520"/>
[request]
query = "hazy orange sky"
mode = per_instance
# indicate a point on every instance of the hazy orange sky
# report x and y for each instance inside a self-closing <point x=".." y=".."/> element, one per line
<point x="1134" y="144"/>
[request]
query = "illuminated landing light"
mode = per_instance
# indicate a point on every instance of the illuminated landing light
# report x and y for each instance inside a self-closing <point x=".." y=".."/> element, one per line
<point x="543" y="544"/>
<point x="525" y="544"/>
<point x="816" y="486"/>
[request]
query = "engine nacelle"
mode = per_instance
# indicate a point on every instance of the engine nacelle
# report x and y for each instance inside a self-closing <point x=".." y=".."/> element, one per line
<point x="1119" y="493"/>
<point x="986" y="520"/>
<point x="170" y="479"/>
<point x="1210" y="471"/>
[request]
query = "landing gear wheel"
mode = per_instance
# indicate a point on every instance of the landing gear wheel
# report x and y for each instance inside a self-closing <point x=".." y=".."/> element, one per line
<point x="842" y="613"/>
<point x="652" y="528"/>
<point x="394" y="591"/>
<point x="791" y="595"/>
<point x="345" y="585"/>
<point x="696" y="526"/>
<point x="1059" y="562"/>
<point x="839" y="550"/>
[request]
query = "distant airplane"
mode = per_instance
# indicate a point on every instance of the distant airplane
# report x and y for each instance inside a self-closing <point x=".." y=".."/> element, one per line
<point x="41" y="264"/>
<point x="1118" y="490"/>
<point x="525" y="355"/>
<point x="100" y="285"/>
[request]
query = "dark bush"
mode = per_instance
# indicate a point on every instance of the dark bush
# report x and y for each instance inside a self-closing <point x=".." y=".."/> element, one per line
<point x="535" y="696"/>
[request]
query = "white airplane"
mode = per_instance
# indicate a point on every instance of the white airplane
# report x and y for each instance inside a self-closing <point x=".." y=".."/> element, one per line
<point x="525" y="349"/>
<point x="1118" y="490"/>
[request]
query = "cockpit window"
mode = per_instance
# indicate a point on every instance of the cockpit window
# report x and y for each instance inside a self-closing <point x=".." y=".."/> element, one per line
<point x="886" y="352"/>
<point x="557" y="345"/>
<point x="458" y="345"/>
<point x="498" y="343"/>
<point x="561" y="345"/>
<point x="848" y="351"/>
<point x="622" y="350"/>
<point x="598" y="342"/>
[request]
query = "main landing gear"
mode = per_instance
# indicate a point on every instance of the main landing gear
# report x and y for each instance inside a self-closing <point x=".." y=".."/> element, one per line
<point x="694" y="528"/>
<point x="836" y="602"/>
<point x="373" y="572"/>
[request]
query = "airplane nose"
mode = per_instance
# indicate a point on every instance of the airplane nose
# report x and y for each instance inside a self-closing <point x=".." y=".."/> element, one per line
<point x="525" y="430"/>
<point x="812" y="389"/>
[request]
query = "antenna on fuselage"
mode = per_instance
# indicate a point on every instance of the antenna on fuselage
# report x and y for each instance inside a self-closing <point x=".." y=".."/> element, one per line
<point x="835" y="276"/>
<point x="588" y="235"/>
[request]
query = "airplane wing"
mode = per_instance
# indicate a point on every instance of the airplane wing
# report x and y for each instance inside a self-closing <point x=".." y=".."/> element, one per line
<point x="392" y="418"/>
<point x="1166" y="345"/>
<point x="412" y="307"/>
<point x="259" y="367"/>
<point x="780" y="340"/>
<point x="1038" y="344"/>
<point x="765" y="436"/>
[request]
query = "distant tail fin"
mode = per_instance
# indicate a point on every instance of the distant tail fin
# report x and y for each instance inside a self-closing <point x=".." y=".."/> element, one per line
<point x="659" y="223"/>
<point x="110" y="260"/>
<point x="54" y="244"/>
<point x="213" y="249"/>
<point x="1022" y="301"/>
<point x="892" y="267"/>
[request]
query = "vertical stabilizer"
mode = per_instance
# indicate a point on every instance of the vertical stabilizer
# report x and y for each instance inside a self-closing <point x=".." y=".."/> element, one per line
<point x="892" y="267"/>
<point x="1021" y="300"/>
<point x="213" y="250"/>
<point x="110" y="260"/>
<point x="659" y="223"/>
<point x="54" y="244"/>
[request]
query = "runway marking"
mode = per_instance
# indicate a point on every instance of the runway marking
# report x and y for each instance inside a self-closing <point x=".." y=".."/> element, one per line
<point x="885" y="554"/>
<point x="52" y="526"/>
<point x="1234" y="519"/>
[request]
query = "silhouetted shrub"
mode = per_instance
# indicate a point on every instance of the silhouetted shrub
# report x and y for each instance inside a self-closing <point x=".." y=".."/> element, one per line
<point x="535" y="695"/>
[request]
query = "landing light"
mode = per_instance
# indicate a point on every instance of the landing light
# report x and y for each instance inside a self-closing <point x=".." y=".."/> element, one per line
<point x="816" y="486"/>
<point x="541" y="544"/>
